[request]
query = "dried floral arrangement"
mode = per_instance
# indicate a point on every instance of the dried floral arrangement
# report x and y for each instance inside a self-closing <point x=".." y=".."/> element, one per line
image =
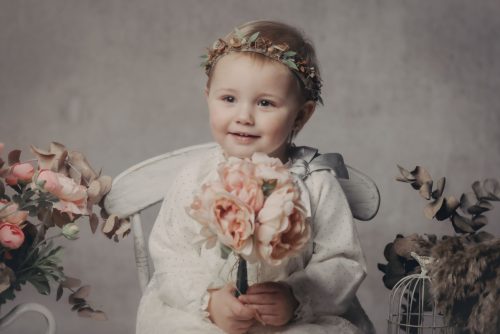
<point x="465" y="270"/>
<point x="40" y="201"/>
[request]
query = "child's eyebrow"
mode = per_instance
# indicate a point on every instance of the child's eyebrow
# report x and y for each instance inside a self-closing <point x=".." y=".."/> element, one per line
<point x="227" y="90"/>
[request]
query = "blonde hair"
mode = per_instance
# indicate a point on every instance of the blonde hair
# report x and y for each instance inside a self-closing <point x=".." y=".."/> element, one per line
<point x="279" y="33"/>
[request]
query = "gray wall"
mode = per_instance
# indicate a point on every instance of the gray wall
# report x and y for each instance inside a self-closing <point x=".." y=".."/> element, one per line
<point x="408" y="82"/>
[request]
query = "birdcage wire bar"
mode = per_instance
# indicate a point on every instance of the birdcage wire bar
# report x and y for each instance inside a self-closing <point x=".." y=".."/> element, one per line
<point x="412" y="310"/>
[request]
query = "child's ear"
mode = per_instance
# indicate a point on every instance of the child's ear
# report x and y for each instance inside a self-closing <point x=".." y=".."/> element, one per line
<point x="305" y="113"/>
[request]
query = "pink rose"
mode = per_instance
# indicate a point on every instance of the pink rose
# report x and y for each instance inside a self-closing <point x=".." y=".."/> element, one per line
<point x="72" y="197"/>
<point x="281" y="229"/>
<point x="51" y="180"/>
<point x="201" y="207"/>
<point x="10" y="213"/>
<point x="239" y="179"/>
<point x="224" y="217"/>
<point x="11" y="236"/>
<point x="268" y="168"/>
<point x="234" y="223"/>
<point x="20" y="172"/>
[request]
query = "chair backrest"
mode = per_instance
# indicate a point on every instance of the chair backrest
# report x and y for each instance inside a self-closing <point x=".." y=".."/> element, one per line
<point x="145" y="184"/>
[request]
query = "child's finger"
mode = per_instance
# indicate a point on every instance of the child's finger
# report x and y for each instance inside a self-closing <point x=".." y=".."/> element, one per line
<point x="242" y="312"/>
<point x="272" y="320"/>
<point x="267" y="287"/>
<point x="260" y="299"/>
<point x="264" y="309"/>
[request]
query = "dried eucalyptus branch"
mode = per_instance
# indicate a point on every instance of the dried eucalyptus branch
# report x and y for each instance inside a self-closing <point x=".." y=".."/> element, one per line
<point x="466" y="213"/>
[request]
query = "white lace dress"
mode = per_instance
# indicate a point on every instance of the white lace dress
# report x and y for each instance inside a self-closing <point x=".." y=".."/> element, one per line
<point x="324" y="277"/>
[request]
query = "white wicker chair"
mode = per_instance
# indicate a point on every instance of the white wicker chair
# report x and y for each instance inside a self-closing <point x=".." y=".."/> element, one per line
<point x="144" y="185"/>
<point x="19" y="309"/>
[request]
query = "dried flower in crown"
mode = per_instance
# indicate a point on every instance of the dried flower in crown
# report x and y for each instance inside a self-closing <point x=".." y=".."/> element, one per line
<point x="281" y="52"/>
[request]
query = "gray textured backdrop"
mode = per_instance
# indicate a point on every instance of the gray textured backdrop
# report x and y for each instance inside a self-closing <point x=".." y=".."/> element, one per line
<point x="408" y="82"/>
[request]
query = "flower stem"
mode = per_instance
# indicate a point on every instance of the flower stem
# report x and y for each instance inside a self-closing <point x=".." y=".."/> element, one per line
<point x="241" y="278"/>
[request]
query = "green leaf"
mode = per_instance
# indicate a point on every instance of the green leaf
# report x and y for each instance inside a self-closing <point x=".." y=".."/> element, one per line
<point x="289" y="54"/>
<point x="238" y="33"/>
<point x="290" y="64"/>
<point x="204" y="56"/>
<point x="40" y="283"/>
<point x="253" y="37"/>
<point x="268" y="186"/>
<point x="59" y="292"/>
<point x="225" y="251"/>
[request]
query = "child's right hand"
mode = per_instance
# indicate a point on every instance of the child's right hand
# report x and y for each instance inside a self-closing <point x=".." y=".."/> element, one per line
<point x="228" y="313"/>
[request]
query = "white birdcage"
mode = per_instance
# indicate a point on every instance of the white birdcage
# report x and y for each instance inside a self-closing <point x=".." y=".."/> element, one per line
<point x="412" y="308"/>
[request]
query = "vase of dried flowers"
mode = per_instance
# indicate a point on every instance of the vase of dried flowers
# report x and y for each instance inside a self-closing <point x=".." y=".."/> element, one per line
<point x="465" y="273"/>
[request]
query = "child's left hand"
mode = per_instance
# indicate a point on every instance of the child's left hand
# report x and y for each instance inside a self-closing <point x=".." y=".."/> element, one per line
<point x="273" y="300"/>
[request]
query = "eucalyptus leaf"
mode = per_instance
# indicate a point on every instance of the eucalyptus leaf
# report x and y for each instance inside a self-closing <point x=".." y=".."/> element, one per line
<point x="425" y="190"/>
<point x="450" y="204"/>
<point x="82" y="292"/>
<point x="431" y="209"/>
<point x="439" y="188"/>
<point x="289" y="54"/>
<point x="461" y="224"/>
<point x="467" y="200"/>
<point x="478" y="222"/>
<point x="492" y="187"/>
<point x="479" y="190"/>
<point x="406" y="174"/>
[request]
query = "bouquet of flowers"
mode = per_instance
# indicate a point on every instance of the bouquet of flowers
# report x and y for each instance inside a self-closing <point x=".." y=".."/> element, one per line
<point x="254" y="210"/>
<point x="55" y="189"/>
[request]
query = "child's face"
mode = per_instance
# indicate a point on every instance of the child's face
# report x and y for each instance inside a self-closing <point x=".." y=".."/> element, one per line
<point x="253" y="106"/>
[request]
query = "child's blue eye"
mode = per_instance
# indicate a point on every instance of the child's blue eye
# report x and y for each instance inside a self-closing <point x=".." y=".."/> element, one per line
<point x="265" y="103"/>
<point x="228" y="98"/>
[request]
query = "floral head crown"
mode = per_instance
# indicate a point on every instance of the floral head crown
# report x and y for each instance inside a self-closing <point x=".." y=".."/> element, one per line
<point x="281" y="52"/>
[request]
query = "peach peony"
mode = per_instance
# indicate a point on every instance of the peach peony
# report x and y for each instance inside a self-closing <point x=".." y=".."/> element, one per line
<point x="20" y="172"/>
<point x="224" y="217"/>
<point x="10" y="213"/>
<point x="238" y="178"/>
<point x="72" y="197"/>
<point x="234" y="222"/>
<point x="268" y="168"/>
<point x="11" y="236"/>
<point x="281" y="228"/>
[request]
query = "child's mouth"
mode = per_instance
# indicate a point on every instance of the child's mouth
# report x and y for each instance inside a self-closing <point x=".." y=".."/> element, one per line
<point x="242" y="137"/>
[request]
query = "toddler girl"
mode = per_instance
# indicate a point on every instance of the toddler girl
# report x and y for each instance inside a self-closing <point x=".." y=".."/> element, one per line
<point x="263" y="86"/>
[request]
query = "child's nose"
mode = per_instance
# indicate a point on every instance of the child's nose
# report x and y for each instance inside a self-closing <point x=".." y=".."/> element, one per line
<point x="245" y="114"/>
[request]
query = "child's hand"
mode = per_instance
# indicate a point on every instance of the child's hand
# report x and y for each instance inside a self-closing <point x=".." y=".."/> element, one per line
<point x="273" y="300"/>
<point x="228" y="313"/>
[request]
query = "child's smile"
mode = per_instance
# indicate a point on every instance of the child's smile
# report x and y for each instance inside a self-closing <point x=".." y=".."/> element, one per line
<point x="253" y="105"/>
